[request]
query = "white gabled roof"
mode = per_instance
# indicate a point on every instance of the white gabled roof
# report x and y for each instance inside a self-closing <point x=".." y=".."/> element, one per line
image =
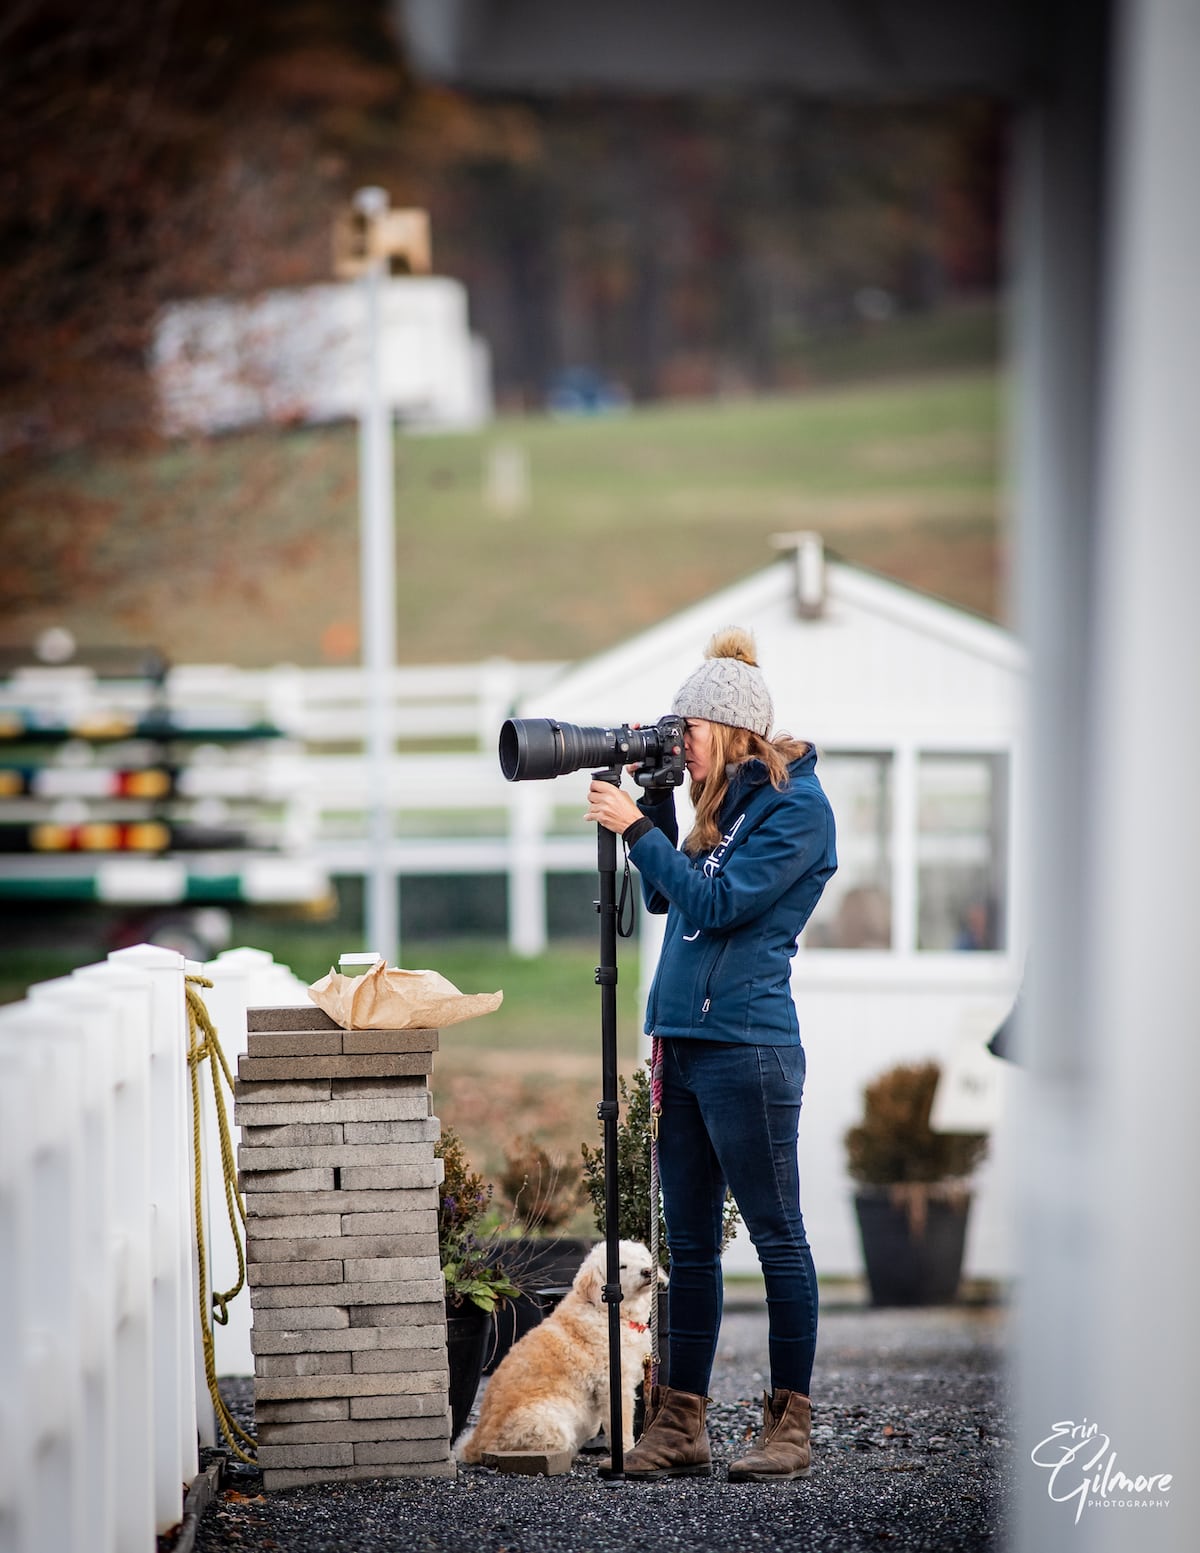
<point x="880" y="662"/>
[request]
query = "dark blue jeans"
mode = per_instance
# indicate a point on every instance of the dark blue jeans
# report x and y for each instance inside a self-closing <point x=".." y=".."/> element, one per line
<point x="729" y="1118"/>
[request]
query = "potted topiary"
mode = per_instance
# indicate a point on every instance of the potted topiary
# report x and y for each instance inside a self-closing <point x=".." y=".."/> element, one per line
<point x="914" y="1195"/>
<point x="476" y="1279"/>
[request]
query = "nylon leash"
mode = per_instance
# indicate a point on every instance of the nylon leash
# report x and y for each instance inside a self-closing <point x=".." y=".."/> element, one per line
<point x="656" y="1092"/>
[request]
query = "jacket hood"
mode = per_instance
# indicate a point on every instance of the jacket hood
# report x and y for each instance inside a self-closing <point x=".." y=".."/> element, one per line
<point x="746" y="775"/>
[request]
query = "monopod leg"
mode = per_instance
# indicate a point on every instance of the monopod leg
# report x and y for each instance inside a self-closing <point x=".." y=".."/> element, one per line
<point x="606" y="980"/>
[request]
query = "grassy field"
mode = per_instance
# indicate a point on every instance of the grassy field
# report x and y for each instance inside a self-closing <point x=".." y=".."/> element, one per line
<point x="245" y="548"/>
<point x="531" y="1069"/>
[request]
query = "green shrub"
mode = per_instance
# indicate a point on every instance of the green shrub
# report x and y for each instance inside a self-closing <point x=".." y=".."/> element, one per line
<point x="470" y="1256"/>
<point x="633" y="1171"/>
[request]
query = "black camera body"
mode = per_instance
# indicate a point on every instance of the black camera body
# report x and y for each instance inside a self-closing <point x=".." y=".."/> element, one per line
<point x="534" y="749"/>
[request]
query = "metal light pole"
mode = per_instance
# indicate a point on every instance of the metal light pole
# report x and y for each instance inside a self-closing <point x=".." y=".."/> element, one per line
<point x="378" y="593"/>
<point x="370" y="240"/>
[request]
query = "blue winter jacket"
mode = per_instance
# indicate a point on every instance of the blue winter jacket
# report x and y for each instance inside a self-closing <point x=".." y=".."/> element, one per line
<point x="734" y="914"/>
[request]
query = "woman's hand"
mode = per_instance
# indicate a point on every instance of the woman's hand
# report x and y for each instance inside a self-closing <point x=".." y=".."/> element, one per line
<point x="612" y="808"/>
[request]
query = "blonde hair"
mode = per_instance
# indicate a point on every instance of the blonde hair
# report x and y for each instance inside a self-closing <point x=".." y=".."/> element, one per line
<point x="732" y="747"/>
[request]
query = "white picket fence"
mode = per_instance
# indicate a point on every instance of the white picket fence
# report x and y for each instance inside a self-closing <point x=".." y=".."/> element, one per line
<point x="324" y="711"/>
<point x="102" y="1392"/>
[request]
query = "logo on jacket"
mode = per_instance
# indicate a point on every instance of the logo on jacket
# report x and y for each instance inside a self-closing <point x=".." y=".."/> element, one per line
<point x="714" y="860"/>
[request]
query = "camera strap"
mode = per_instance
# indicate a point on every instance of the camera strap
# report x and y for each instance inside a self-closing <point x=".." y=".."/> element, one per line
<point x="626" y="904"/>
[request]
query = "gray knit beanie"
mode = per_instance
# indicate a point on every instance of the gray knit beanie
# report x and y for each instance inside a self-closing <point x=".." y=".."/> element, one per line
<point x="728" y="687"/>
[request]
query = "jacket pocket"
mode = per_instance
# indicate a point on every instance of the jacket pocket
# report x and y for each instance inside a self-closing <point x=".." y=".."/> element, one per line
<point x="710" y="981"/>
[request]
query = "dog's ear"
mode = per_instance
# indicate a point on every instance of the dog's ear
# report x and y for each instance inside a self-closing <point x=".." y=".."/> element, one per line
<point x="589" y="1280"/>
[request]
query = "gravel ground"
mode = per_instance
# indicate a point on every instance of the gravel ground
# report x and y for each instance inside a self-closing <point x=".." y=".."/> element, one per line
<point x="910" y="1452"/>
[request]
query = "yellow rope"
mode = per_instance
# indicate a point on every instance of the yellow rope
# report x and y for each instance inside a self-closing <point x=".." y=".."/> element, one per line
<point x="204" y="1045"/>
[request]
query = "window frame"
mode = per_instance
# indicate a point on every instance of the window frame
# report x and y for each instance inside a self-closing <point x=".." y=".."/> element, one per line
<point x="904" y="955"/>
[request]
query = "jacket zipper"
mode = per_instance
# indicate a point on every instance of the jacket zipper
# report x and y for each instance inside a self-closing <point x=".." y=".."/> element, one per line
<point x="708" y="981"/>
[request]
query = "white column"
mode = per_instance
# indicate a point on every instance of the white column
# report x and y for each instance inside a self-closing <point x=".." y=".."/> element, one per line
<point x="126" y="995"/>
<point x="179" y="1394"/>
<point x="81" y="1030"/>
<point x="1055" y="215"/>
<point x="17" y="1097"/>
<point x="1109" y="553"/>
<point x="1142" y="987"/>
<point x="51" y="1506"/>
<point x="268" y="985"/>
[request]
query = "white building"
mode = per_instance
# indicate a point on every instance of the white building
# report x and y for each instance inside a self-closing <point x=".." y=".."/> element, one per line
<point x="916" y="709"/>
<point x="296" y="356"/>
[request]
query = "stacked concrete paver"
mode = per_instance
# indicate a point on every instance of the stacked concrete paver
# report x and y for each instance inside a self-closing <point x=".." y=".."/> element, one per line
<point x="348" y="1312"/>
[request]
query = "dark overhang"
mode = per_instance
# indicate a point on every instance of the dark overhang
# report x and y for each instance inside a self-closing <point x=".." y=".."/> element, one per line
<point x="892" y="48"/>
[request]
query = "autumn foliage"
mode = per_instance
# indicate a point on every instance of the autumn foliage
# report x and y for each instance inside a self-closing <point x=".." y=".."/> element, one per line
<point x="160" y="149"/>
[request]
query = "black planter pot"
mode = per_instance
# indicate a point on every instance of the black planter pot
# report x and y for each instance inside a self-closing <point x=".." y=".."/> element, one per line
<point x="539" y="1261"/>
<point x="468" y="1337"/>
<point x="913" y="1252"/>
<point x="510" y="1322"/>
<point x="537" y="1264"/>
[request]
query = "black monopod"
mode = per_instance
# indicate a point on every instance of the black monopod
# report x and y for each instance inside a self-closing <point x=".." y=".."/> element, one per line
<point x="608" y="1111"/>
<point x="541" y="748"/>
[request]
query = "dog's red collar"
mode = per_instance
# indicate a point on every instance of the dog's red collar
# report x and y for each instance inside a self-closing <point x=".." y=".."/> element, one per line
<point x="638" y="1326"/>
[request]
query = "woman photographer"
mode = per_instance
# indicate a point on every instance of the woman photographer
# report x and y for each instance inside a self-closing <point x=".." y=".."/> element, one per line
<point x="736" y="897"/>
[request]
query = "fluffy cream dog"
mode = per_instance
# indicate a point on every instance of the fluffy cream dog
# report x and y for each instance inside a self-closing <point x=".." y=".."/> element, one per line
<point x="550" y="1392"/>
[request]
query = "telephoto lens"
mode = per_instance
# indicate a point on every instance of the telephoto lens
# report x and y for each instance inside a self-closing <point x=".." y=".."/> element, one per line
<point x="535" y="749"/>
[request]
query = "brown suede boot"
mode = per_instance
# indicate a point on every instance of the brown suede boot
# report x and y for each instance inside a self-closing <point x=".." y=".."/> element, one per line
<point x="783" y="1451"/>
<point x="674" y="1443"/>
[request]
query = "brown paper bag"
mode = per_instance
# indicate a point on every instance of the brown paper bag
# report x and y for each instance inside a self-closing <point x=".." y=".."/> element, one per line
<point x="388" y="998"/>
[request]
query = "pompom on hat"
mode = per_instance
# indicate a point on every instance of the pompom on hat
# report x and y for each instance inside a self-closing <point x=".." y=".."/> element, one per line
<point x="728" y="687"/>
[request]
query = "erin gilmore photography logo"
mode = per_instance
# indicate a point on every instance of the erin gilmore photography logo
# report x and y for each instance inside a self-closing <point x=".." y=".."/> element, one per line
<point x="1083" y="1467"/>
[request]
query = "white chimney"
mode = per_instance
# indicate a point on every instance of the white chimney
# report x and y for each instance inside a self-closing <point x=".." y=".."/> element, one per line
<point x="808" y="557"/>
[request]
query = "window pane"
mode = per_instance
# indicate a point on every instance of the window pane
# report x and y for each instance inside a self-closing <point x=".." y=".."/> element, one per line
<point x="855" y="911"/>
<point x="962" y="850"/>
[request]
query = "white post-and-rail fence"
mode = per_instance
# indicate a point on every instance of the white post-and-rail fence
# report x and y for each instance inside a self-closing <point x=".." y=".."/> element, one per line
<point x="451" y="811"/>
<point x="103" y="1397"/>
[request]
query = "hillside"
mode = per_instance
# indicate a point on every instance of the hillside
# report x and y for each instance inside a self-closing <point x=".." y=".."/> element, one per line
<point x="246" y="549"/>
